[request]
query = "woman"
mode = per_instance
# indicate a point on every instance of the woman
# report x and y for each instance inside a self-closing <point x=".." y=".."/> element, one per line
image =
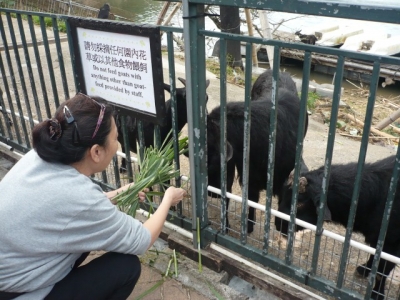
<point x="52" y="215"/>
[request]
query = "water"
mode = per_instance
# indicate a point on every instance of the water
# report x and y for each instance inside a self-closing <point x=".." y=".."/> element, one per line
<point x="146" y="11"/>
<point x="139" y="11"/>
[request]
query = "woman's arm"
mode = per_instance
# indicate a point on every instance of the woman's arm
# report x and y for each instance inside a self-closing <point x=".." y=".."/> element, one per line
<point x="110" y="195"/>
<point x="155" y="223"/>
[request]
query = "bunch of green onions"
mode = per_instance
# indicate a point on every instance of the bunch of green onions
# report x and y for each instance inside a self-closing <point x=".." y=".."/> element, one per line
<point x="155" y="168"/>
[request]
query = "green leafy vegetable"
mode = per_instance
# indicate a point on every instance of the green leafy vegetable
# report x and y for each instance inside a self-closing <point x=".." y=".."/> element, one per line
<point x="155" y="168"/>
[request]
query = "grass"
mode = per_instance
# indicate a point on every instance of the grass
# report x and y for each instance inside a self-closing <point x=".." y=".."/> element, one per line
<point x="312" y="100"/>
<point x="62" y="27"/>
<point x="233" y="75"/>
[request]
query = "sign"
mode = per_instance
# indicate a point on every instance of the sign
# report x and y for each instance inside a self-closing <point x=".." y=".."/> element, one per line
<point x="120" y="62"/>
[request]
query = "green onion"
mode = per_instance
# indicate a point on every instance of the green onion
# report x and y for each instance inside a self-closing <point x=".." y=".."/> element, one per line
<point x="155" y="168"/>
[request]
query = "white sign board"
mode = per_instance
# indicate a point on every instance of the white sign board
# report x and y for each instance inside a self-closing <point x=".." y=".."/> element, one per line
<point x="118" y="66"/>
<point x="121" y="63"/>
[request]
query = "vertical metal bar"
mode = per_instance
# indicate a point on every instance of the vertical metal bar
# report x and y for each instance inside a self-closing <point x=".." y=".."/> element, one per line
<point x="174" y="105"/>
<point x="140" y="138"/>
<point x="299" y="150"/>
<point x="246" y="143"/>
<point x="193" y="20"/>
<point x="222" y="124"/>
<point x="60" y="57"/>
<point x="127" y="149"/>
<point x="5" y="116"/>
<point x="360" y="168"/>
<point x="39" y="69"/>
<point x="328" y="159"/>
<point x="23" y="84"/>
<point x="116" y="172"/>
<point x="271" y="145"/>
<point x="72" y="54"/>
<point x="13" y="82"/>
<point x="384" y="225"/>
<point x="2" y="103"/>
<point x="49" y="61"/>
<point x="30" y="75"/>
<point x="104" y="176"/>
<point x="157" y="137"/>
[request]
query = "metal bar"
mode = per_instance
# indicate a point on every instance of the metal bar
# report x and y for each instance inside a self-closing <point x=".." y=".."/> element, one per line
<point x="6" y="118"/>
<point x="295" y="273"/>
<point x="303" y="47"/>
<point x="193" y="20"/>
<point x="13" y="82"/>
<point x="299" y="150"/>
<point x="246" y="143"/>
<point x="128" y="161"/>
<point x="140" y="138"/>
<point x="271" y="147"/>
<point x="384" y="226"/>
<point x="30" y="75"/>
<point x="60" y="58"/>
<point x="39" y="69"/>
<point x="49" y="62"/>
<point x="116" y="172"/>
<point x="331" y="8"/>
<point x="358" y="179"/>
<point x="104" y="177"/>
<point x="23" y="85"/>
<point x="222" y="124"/>
<point x="74" y="60"/>
<point x="328" y="160"/>
<point x="172" y="82"/>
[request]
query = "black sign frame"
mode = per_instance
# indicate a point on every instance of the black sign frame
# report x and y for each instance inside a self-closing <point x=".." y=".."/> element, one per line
<point x="143" y="30"/>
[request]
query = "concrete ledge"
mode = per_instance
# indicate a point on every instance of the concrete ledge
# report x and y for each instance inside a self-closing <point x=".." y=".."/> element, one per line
<point x="10" y="155"/>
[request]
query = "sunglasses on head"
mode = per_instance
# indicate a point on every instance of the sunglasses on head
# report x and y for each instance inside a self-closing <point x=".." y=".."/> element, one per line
<point x="70" y="119"/>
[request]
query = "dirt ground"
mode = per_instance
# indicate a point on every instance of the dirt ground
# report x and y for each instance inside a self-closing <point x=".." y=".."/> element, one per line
<point x="357" y="100"/>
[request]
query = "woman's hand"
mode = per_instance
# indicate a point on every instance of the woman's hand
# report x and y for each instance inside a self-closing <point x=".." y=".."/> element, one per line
<point x="142" y="195"/>
<point x="174" y="195"/>
<point x="112" y="194"/>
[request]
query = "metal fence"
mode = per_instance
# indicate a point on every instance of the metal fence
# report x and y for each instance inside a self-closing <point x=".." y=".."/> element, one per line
<point x="37" y="74"/>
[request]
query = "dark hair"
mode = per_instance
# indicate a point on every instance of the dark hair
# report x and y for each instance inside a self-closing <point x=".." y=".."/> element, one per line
<point x="65" y="141"/>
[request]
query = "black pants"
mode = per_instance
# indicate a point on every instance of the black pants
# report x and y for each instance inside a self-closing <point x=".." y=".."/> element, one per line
<point x="110" y="276"/>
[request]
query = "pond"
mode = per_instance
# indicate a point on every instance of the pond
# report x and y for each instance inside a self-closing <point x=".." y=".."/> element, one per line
<point x="140" y="11"/>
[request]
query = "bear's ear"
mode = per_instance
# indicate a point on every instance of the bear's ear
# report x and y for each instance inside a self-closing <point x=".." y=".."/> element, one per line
<point x="302" y="185"/>
<point x="182" y="80"/>
<point x="327" y="214"/>
<point x="289" y="181"/>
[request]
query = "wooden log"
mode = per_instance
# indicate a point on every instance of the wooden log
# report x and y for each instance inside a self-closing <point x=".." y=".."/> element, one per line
<point x="162" y="13"/>
<point x="373" y="130"/>
<point x="249" y="22"/>
<point x="318" y="59"/>
<point x="386" y="122"/>
<point x="266" y="33"/>
<point x="173" y="12"/>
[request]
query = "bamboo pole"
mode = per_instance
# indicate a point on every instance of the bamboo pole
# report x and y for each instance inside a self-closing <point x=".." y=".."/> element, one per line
<point x="266" y="31"/>
<point x="373" y="130"/>
<point x="249" y="22"/>
<point x="162" y="13"/>
<point x="173" y="12"/>
<point x="384" y="123"/>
